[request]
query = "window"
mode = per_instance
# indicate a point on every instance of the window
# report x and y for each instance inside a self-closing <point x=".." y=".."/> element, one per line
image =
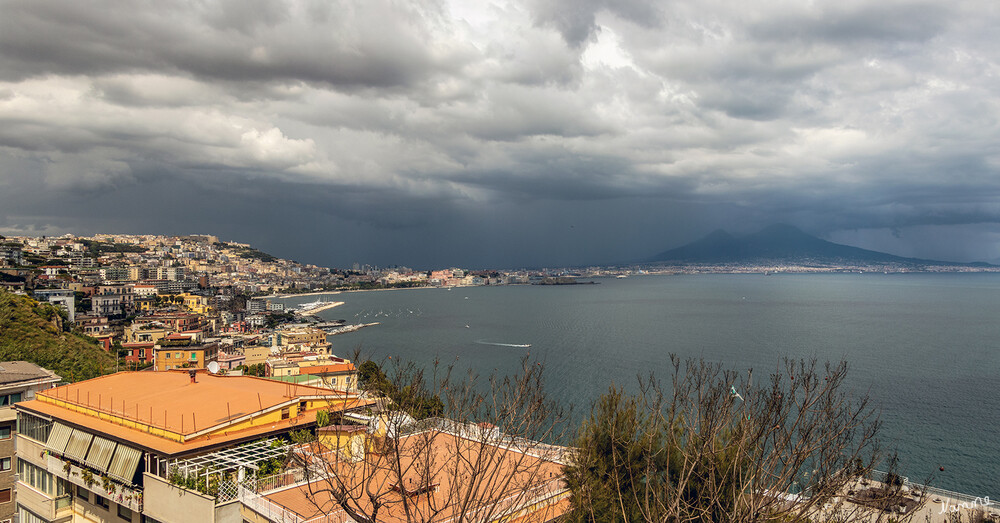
<point x="124" y="513"/>
<point x="168" y="355"/>
<point x="4" y="464"/>
<point x="83" y="493"/>
<point x="37" y="477"/>
<point x="33" y="427"/>
<point x="284" y="413"/>
<point x="5" y="431"/>
<point x="26" y="516"/>
<point x="100" y="501"/>
<point x="177" y="355"/>
<point x="10" y="399"/>
<point x="5" y="495"/>
<point x="194" y="356"/>
<point x="147" y="519"/>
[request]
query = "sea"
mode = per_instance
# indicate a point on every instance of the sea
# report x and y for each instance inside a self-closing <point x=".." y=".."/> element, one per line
<point x="925" y="347"/>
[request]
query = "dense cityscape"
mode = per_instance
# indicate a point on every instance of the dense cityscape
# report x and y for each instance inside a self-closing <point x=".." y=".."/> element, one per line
<point x="170" y="313"/>
<point x="515" y="261"/>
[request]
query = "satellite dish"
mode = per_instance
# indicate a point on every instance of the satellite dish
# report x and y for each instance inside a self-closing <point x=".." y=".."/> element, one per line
<point x="213" y="367"/>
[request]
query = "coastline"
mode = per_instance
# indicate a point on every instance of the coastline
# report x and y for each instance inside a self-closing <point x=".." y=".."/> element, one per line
<point x="283" y="296"/>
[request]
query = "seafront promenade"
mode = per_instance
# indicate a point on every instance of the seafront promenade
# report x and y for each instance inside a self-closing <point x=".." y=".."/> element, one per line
<point x="942" y="506"/>
<point x="921" y="503"/>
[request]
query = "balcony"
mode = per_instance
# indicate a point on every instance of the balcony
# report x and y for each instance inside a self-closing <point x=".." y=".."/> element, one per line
<point x="59" y="508"/>
<point x="36" y="453"/>
<point x="103" y="486"/>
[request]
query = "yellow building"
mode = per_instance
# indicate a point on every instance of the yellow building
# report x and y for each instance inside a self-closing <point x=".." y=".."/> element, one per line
<point x="145" y="333"/>
<point x="302" y="336"/>
<point x="195" y="303"/>
<point x="349" y="439"/>
<point x="256" y="354"/>
<point x="180" y="352"/>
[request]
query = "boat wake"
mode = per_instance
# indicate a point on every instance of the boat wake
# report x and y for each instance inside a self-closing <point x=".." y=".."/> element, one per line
<point x="517" y="345"/>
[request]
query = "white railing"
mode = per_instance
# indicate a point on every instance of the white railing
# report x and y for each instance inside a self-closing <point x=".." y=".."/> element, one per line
<point x="278" y="514"/>
<point x="977" y="502"/>
<point x="492" y="435"/>
<point x="265" y="507"/>
<point x="279" y="480"/>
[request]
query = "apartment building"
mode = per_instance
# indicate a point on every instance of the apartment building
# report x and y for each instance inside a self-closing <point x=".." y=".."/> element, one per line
<point x="147" y="447"/>
<point x="19" y="381"/>
<point x="177" y="351"/>
<point x="337" y="376"/>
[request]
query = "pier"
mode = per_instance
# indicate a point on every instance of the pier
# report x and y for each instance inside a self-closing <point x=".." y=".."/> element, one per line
<point x="320" y="308"/>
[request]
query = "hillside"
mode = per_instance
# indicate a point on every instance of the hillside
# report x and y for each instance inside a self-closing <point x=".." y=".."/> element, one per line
<point x="777" y="243"/>
<point x="28" y="333"/>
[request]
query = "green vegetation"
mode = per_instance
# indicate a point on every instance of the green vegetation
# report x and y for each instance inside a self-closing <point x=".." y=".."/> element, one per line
<point x="411" y="394"/>
<point x="248" y="252"/>
<point x="276" y="318"/>
<point x="97" y="248"/>
<point x="713" y="445"/>
<point x="32" y="331"/>
<point x="257" y="369"/>
<point x="624" y="441"/>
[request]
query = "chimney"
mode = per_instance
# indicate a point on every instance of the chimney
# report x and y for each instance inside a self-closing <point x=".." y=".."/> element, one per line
<point x="193" y="373"/>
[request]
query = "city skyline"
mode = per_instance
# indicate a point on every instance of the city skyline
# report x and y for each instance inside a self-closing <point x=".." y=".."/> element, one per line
<point x="502" y="134"/>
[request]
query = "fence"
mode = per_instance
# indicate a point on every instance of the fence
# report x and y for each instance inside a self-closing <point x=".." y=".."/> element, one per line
<point x="979" y="502"/>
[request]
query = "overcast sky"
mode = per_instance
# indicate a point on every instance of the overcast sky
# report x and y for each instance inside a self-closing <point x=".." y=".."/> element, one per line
<point x="501" y="134"/>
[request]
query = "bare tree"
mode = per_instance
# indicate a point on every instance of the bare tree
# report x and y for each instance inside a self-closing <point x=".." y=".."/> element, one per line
<point x="718" y="446"/>
<point x="485" y="459"/>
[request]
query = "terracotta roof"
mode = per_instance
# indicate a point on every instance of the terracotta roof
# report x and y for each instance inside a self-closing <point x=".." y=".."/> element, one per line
<point x="441" y="451"/>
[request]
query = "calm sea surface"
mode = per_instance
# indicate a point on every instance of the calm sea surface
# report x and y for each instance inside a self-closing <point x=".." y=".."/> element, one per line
<point x="926" y="346"/>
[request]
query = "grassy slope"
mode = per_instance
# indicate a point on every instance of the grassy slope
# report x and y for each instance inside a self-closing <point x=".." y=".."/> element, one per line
<point x="26" y="333"/>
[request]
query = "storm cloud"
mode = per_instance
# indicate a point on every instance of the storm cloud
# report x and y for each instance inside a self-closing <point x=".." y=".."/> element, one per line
<point x="499" y="134"/>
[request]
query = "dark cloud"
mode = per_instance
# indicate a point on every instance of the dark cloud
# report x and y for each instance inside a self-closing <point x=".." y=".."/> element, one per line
<point x="352" y="45"/>
<point x="527" y="133"/>
<point x="577" y="20"/>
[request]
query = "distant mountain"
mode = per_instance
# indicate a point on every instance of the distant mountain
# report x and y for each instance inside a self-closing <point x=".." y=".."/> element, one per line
<point x="778" y="242"/>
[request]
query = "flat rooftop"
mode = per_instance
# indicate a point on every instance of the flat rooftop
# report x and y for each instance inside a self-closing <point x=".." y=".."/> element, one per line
<point x="443" y="460"/>
<point x="136" y="406"/>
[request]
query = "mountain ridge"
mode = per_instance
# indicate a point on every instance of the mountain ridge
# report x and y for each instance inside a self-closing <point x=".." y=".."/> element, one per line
<point x="781" y="242"/>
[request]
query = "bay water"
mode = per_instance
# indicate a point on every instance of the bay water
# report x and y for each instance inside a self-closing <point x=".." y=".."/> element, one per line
<point x="926" y="347"/>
